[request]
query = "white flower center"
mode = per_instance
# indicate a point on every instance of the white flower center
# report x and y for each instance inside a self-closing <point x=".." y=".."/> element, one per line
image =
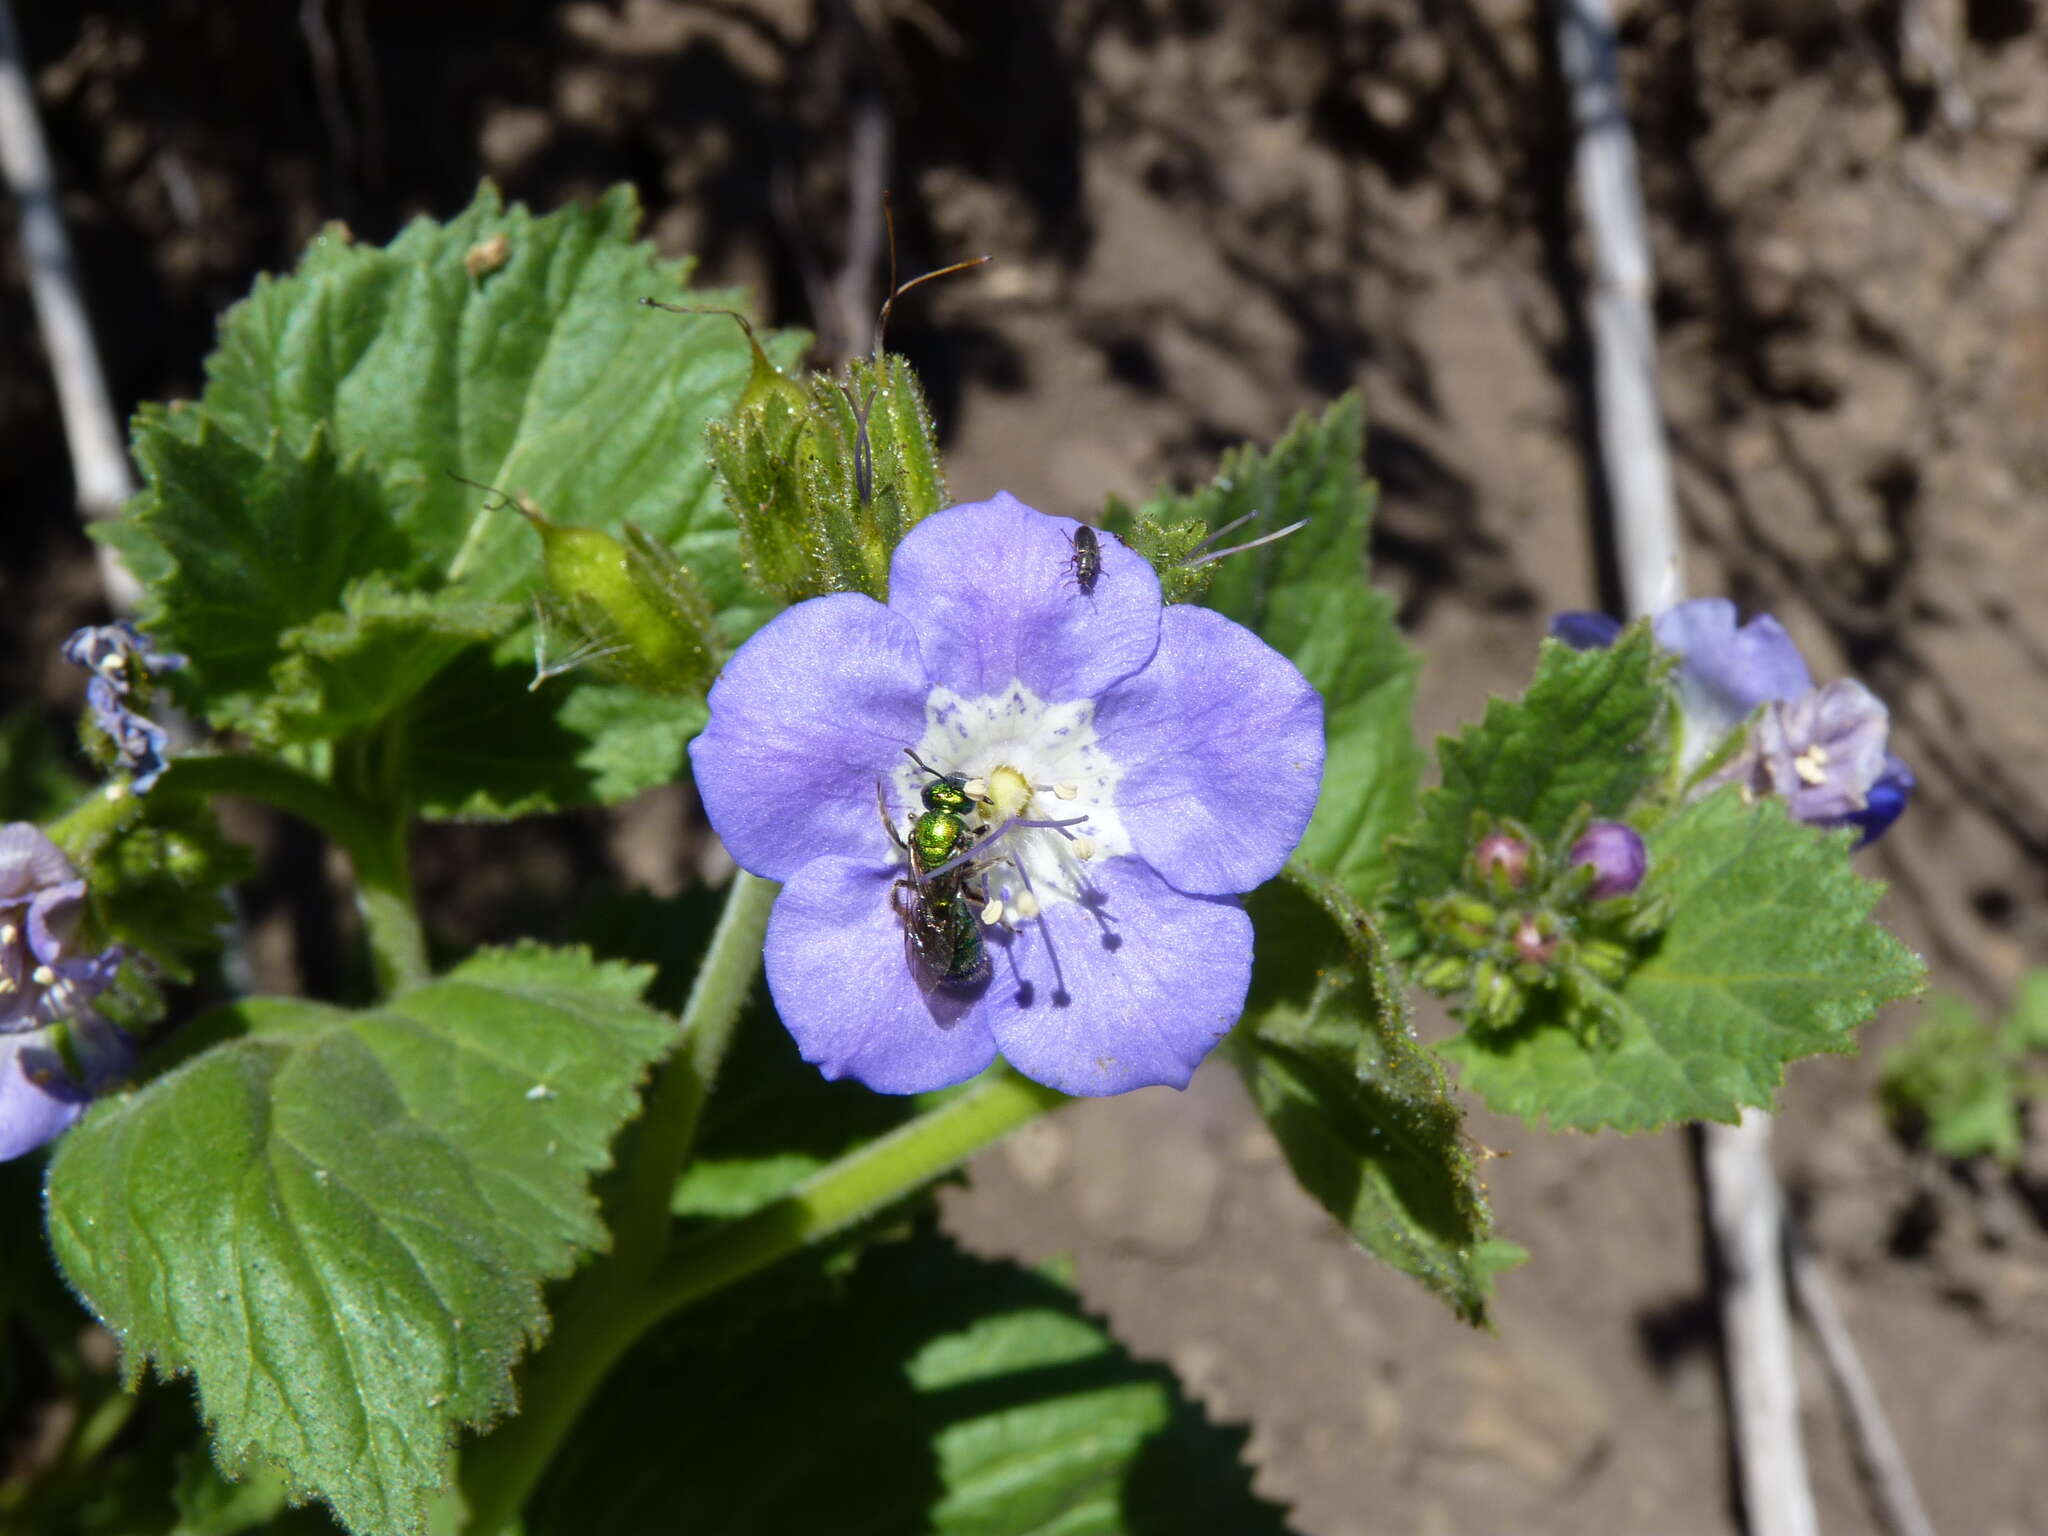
<point x="1026" y="761"/>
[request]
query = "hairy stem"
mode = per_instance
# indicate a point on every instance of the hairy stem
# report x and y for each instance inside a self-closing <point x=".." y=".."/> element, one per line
<point x="502" y="1471"/>
<point x="668" y="1133"/>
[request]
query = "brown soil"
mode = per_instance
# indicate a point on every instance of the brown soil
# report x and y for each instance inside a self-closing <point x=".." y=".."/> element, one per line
<point x="1207" y="217"/>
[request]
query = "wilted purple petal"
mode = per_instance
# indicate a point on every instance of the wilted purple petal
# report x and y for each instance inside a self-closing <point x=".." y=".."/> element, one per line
<point x="31" y="864"/>
<point x="1822" y="752"/>
<point x="1221" y="743"/>
<point x="109" y="651"/>
<point x="41" y="1093"/>
<point x="1584" y="631"/>
<point x="809" y="714"/>
<point x="1129" y="991"/>
<point x="989" y="588"/>
<point x="836" y="966"/>
<point x="1617" y="856"/>
<point x="33" y="1112"/>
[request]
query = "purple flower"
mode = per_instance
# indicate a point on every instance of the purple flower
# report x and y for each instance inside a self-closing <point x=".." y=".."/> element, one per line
<point x="1615" y="852"/>
<point x="1133" y="769"/>
<point x="45" y="982"/>
<point x="139" y="742"/>
<point x="121" y="659"/>
<point x="1821" y="749"/>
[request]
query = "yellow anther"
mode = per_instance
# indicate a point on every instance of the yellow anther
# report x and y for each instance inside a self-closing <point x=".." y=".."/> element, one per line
<point x="9" y="933"/>
<point x="1027" y="906"/>
<point x="43" y="976"/>
<point x="1811" y="765"/>
<point x="1084" y="847"/>
<point x="993" y="912"/>
<point x="1067" y="791"/>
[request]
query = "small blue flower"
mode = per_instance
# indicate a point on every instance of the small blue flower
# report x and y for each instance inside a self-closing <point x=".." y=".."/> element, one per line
<point x="1821" y="749"/>
<point x="55" y="1052"/>
<point x="1137" y="767"/>
<point x="122" y="661"/>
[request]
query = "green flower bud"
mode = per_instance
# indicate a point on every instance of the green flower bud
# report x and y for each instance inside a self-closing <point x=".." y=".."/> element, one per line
<point x="631" y="601"/>
<point x="1444" y="974"/>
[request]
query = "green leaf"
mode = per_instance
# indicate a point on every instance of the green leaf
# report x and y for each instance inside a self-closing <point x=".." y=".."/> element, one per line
<point x="1954" y="1082"/>
<point x="1589" y="732"/>
<point x="2027" y="1025"/>
<point x="1307" y="596"/>
<point x="942" y="1394"/>
<point x="339" y="1223"/>
<point x="253" y="539"/>
<point x="352" y="668"/>
<point x="1361" y="1109"/>
<point x="311" y="494"/>
<point x="1768" y="956"/>
<point x="482" y="740"/>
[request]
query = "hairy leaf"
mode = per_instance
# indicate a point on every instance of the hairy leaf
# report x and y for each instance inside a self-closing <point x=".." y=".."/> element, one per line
<point x="1360" y="1107"/>
<point x="306" y="516"/>
<point x="339" y="1223"/>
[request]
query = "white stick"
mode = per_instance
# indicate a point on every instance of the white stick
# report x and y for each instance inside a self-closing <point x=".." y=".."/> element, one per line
<point x="99" y="459"/>
<point x="1743" y="1203"/>
<point x="1748" y="1220"/>
<point x="1877" y="1448"/>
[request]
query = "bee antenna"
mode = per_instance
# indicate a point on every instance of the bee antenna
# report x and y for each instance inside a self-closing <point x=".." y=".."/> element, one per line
<point x="896" y="289"/>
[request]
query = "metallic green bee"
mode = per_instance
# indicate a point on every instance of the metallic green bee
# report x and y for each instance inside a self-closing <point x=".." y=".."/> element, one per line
<point x="941" y="927"/>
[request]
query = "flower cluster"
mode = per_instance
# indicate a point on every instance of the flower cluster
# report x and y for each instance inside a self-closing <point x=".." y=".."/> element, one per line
<point x="122" y="661"/>
<point x="1075" y="784"/>
<point x="55" y="1052"/>
<point x="1823" y="750"/>
<point x="1528" y="918"/>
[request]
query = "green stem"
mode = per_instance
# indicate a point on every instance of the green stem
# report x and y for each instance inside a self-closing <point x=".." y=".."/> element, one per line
<point x="374" y="841"/>
<point x="502" y="1471"/>
<point x="857" y="1186"/>
<point x="668" y="1132"/>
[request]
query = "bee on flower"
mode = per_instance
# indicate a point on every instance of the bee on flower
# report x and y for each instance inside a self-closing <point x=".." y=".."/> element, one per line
<point x="1074" y="794"/>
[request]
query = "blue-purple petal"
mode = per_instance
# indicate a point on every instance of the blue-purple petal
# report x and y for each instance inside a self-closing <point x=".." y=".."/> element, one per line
<point x="1584" y="631"/>
<point x="806" y="717"/>
<point x="1725" y="671"/>
<point x="990" y="588"/>
<point x="1888" y="798"/>
<point x="1129" y="993"/>
<point x="39" y="1100"/>
<point x="1221" y="743"/>
<point x="844" y="987"/>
